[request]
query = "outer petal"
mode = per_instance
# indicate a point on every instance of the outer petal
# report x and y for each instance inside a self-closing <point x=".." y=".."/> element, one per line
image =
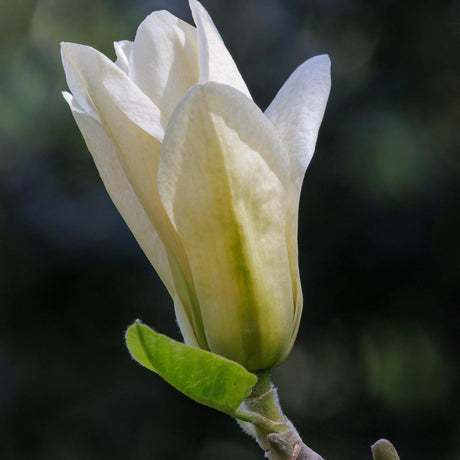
<point x="297" y="112"/>
<point x="107" y="158"/>
<point x="223" y="178"/>
<point x="185" y="324"/>
<point x="293" y="251"/>
<point x="164" y="60"/>
<point x="138" y="150"/>
<point x="216" y="63"/>
<point x="123" y="50"/>
<point x="98" y="85"/>
<point x="298" y="109"/>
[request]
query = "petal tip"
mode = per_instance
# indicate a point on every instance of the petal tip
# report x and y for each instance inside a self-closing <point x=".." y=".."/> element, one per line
<point x="68" y="45"/>
<point x="325" y="58"/>
<point x="64" y="47"/>
<point x="197" y="8"/>
<point x="153" y="16"/>
<point x="69" y="48"/>
<point x="321" y="59"/>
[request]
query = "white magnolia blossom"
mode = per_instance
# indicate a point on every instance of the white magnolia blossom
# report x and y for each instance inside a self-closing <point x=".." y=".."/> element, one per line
<point x="208" y="183"/>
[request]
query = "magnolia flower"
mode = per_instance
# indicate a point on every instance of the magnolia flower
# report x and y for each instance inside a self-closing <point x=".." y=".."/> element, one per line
<point x="208" y="184"/>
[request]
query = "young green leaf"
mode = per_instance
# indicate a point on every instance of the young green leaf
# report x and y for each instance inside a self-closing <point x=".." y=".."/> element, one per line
<point x="205" y="377"/>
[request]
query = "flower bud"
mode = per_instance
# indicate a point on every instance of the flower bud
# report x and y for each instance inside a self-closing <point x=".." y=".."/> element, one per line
<point x="208" y="183"/>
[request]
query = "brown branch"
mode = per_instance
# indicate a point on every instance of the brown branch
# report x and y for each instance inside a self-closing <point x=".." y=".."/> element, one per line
<point x="281" y="449"/>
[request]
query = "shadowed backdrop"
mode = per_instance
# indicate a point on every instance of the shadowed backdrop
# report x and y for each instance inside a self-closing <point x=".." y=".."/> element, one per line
<point x="377" y="353"/>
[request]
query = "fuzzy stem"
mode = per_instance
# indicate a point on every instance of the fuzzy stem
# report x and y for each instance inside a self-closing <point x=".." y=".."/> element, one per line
<point x="261" y="416"/>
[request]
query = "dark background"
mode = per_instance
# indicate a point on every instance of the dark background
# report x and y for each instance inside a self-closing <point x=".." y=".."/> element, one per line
<point x="376" y="354"/>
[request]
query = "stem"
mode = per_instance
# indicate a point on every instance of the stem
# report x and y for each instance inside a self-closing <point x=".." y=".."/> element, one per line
<point x="261" y="416"/>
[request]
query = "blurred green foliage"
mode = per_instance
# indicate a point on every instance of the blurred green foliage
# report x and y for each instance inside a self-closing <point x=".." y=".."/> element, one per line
<point x="377" y="354"/>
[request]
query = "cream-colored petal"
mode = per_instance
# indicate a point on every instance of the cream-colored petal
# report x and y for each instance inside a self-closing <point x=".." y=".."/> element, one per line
<point x="223" y="178"/>
<point x="293" y="252"/>
<point x="138" y="150"/>
<point x="123" y="50"/>
<point x="107" y="159"/>
<point x="297" y="112"/>
<point x="164" y="60"/>
<point x="185" y="323"/>
<point x="139" y="155"/>
<point x="298" y="109"/>
<point x="216" y="63"/>
<point x="98" y="84"/>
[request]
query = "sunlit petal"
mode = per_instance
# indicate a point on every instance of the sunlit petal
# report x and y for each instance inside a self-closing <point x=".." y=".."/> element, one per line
<point x="98" y="85"/>
<point x="297" y="112"/>
<point x="107" y="159"/>
<point x="138" y="153"/>
<point x="298" y="109"/>
<point x="123" y="50"/>
<point x="164" y="60"/>
<point x="223" y="179"/>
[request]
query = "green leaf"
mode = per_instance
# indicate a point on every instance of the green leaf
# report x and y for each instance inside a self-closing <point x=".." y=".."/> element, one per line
<point x="205" y="377"/>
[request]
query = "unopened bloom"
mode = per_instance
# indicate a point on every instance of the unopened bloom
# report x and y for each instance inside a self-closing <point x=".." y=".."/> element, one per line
<point x="208" y="183"/>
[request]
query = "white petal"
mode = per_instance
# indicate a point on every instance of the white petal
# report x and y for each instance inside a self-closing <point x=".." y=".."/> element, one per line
<point x="123" y="50"/>
<point x="293" y="252"/>
<point x="164" y="60"/>
<point x="223" y="179"/>
<point x="138" y="150"/>
<point x="298" y="109"/>
<point x="185" y="324"/>
<point x="216" y="63"/>
<point x="107" y="158"/>
<point x="138" y="153"/>
<point x="97" y="84"/>
<point x="297" y="112"/>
